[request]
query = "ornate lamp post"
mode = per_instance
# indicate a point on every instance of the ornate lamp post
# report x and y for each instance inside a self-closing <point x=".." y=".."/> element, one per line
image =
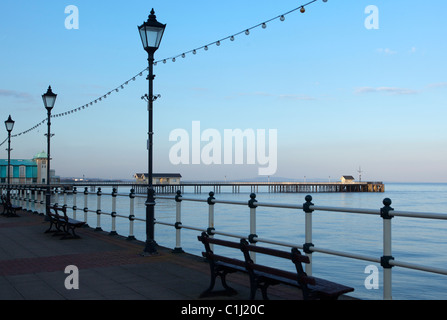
<point x="9" y="126"/>
<point x="49" y="99"/>
<point x="151" y="33"/>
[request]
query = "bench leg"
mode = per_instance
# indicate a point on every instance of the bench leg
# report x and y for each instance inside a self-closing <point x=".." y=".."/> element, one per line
<point x="215" y="272"/>
<point x="50" y="228"/>
<point x="11" y="214"/>
<point x="69" y="233"/>
<point x="228" y="289"/>
<point x="259" y="283"/>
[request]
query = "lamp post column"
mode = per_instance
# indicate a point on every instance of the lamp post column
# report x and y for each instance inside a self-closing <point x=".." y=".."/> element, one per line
<point x="49" y="99"/>
<point x="8" y="192"/>
<point x="151" y="33"/>
<point x="150" y="201"/>
<point x="48" y="191"/>
<point x="9" y="126"/>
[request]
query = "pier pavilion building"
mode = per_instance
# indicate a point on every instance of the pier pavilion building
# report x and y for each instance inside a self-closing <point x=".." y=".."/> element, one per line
<point x="25" y="171"/>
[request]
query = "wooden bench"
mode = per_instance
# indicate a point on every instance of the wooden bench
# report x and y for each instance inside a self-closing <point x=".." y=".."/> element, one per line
<point x="9" y="210"/>
<point x="63" y="225"/>
<point x="220" y="266"/>
<point x="261" y="277"/>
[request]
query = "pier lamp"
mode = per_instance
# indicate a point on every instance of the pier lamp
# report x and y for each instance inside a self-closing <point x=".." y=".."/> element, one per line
<point x="151" y="33"/>
<point x="49" y="99"/>
<point x="9" y="126"/>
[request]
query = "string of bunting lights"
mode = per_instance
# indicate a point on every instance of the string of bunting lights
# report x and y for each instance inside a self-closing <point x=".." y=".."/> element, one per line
<point x="217" y="43"/>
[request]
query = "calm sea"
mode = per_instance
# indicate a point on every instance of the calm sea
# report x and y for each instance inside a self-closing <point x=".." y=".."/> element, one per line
<point x="419" y="241"/>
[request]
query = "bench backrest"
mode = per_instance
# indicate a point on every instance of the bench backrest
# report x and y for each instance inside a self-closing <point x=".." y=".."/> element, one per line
<point x="294" y="255"/>
<point x="56" y="212"/>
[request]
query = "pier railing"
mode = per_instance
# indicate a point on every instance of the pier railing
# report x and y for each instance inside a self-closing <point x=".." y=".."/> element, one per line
<point x="32" y="199"/>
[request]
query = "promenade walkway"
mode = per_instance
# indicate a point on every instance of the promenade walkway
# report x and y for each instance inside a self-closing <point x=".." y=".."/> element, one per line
<point x="32" y="266"/>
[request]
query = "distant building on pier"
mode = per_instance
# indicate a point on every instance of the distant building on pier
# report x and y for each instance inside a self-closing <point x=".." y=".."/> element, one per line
<point x="159" y="178"/>
<point x="347" y="179"/>
<point x="24" y="171"/>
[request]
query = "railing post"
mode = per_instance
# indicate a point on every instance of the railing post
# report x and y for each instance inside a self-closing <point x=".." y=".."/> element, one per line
<point x="41" y="204"/>
<point x="98" y="210"/>
<point x="308" y="233"/>
<point x="251" y="238"/>
<point x="113" y="214"/>
<point x="19" y="196"/>
<point x="178" y="223"/>
<point x="385" y="259"/>
<point x="56" y="197"/>
<point x="85" y="205"/>
<point x="35" y="194"/>
<point x="131" y="215"/>
<point x="75" y="192"/>
<point x="211" y="229"/>
<point x="65" y="197"/>
<point x="25" y="198"/>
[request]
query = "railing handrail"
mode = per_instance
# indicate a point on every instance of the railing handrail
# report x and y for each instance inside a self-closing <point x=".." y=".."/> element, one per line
<point x="387" y="212"/>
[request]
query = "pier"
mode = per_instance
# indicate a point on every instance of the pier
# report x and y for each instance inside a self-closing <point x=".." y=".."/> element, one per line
<point x="238" y="187"/>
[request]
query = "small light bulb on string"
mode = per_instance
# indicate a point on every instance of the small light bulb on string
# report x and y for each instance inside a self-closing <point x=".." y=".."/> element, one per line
<point x="247" y="32"/>
<point x="282" y="18"/>
<point x="194" y="52"/>
<point x="164" y="61"/>
<point x="218" y="43"/>
<point x="173" y="59"/>
<point x="183" y="55"/>
<point x="302" y="10"/>
<point x="264" y="26"/>
<point x="206" y="48"/>
<point x="232" y="38"/>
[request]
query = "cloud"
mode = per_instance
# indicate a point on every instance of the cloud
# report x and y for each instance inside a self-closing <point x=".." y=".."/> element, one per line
<point x="387" y="90"/>
<point x="26" y="97"/>
<point x="386" y="51"/>
<point x="437" y="85"/>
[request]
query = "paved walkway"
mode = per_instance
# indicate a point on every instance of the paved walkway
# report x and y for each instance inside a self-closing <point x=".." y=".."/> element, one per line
<point x="32" y="265"/>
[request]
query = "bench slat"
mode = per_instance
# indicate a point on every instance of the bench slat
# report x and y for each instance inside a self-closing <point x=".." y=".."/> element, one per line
<point x="277" y="253"/>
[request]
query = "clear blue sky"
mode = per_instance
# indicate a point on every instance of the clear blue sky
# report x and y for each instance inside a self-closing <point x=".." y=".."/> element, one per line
<point x="339" y="95"/>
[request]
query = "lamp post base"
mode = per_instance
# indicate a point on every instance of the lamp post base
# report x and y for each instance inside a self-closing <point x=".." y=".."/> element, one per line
<point x="150" y="249"/>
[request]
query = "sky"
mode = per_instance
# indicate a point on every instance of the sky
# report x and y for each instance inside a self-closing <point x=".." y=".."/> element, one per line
<point x="321" y="94"/>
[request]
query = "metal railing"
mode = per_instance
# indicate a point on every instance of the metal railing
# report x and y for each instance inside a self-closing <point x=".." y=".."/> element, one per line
<point x="32" y="199"/>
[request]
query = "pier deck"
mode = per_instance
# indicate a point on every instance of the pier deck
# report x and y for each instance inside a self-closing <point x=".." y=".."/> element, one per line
<point x="271" y="187"/>
<point x="32" y="266"/>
